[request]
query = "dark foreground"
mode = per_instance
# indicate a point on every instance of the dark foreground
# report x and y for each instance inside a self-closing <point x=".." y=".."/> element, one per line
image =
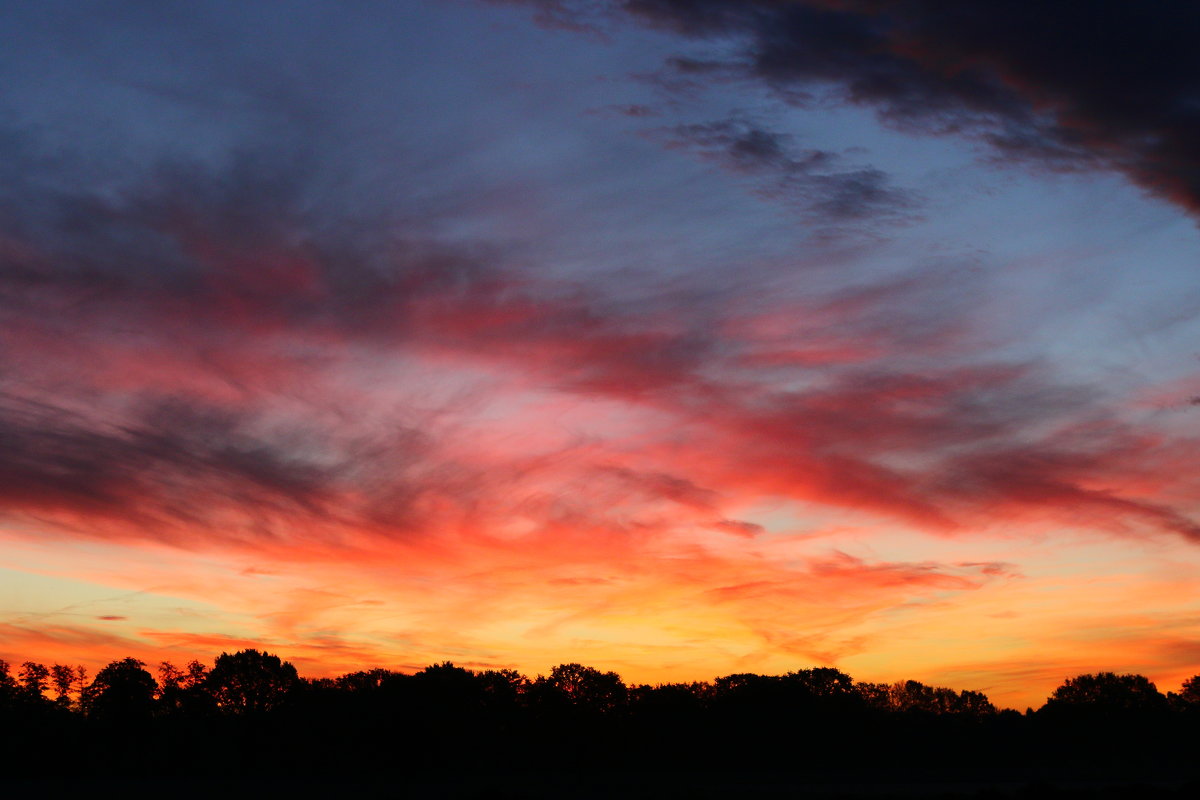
<point x="592" y="786"/>
<point x="251" y="726"/>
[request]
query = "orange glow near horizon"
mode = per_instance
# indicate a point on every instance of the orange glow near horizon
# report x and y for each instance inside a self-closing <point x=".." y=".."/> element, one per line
<point x="672" y="611"/>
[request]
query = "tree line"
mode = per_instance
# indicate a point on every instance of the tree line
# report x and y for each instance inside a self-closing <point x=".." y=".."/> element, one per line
<point x="252" y="713"/>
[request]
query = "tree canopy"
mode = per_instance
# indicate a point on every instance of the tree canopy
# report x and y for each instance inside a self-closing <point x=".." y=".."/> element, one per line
<point x="252" y="712"/>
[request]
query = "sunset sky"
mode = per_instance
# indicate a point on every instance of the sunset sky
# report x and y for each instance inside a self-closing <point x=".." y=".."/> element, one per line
<point x="674" y="338"/>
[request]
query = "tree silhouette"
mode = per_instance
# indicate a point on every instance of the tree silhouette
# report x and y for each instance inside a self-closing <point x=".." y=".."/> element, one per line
<point x="34" y="679"/>
<point x="668" y="700"/>
<point x="63" y="678"/>
<point x="823" y="682"/>
<point x="1106" y="693"/>
<point x="974" y="703"/>
<point x="81" y="676"/>
<point x="586" y="687"/>
<point x="8" y="685"/>
<point x="877" y="696"/>
<point x="1189" y="694"/>
<point x="364" y="680"/>
<point x="445" y="717"/>
<point x="914" y="696"/>
<point x="196" y="675"/>
<point x="123" y="690"/>
<point x="170" y="677"/>
<point x="250" y="682"/>
<point x="445" y="693"/>
<point x="502" y="688"/>
<point x="183" y="692"/>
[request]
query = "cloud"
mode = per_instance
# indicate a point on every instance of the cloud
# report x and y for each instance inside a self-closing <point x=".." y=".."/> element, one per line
<point x="189" y="350"/>
<point x="64" y="644"/>
<point x="829" y="608"/>
<point x="185" y="473"/>
<point x="157" y="304"/>
<point x="817" y="182"/>
<point x="850" y="576"/>
<point x="1071" y="86"/>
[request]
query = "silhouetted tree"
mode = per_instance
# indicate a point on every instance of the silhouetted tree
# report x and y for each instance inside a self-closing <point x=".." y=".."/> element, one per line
<point x="974" y="703"/>
<point x="34" y="679"/>
<point x="364" y="680"/>
<point x="1106" y="693"/>
<point x="914" y="696"/>
<point x="196" y="675"/>
<point x="63" y="678"/>
<point x="169" y="677"/>
<point x="575" y="718"/>
<point x="1189" y="693"/>
<point x="81" y="676"/>
<point x="824" y="682"/>
<point x="587" y="687"/>
<point x="446" y="692"/>
<point x="748" y="690"/>
<point x="668" y="700"/>
<point x="877" y="696"/>
<point x="502" y="687"/>
<point x="123" y="690"/>
<point x="445" y="679"/>
<point x="250" y="682"/>
<point x="8" y="685"/>
<point x="183" y="692"/>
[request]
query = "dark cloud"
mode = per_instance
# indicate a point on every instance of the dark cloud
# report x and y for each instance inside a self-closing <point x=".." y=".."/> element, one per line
<point x="1070" y="85"/>
<point x="239" y="268"/>
<point x="945" y="449"/>
<point x="817" y="182"/>
<point x="1059" y="476"/>
<point x="176" y="471"/>
<point x="202" y="260"/>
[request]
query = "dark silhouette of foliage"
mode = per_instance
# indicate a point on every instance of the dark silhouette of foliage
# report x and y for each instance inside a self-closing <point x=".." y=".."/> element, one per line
<point x="184" y="692"/>
<point x="8" y="685"/>
<point x="826" y="683"/>
<point x="913" y="696"/>
<point x="250" y="682"/>
<point x="123" y="690"/>
<point x="876" y="695"/>
<point x="35" y="679"/>
<point x="502" y="687"/>
<point x="252" y="715"/>
<point x="583" y="687"/>
<point x="170" y="677"/>
<point x="1189" y="694"/>
<point x="63" y="678"/>
<point x="1106" y="693"/>
<point x="364" y="681"/>
<point x="81" y="678"/>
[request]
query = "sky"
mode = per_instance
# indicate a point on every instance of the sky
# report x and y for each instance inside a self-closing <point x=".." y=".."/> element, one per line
<point x="673" y="338"/>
